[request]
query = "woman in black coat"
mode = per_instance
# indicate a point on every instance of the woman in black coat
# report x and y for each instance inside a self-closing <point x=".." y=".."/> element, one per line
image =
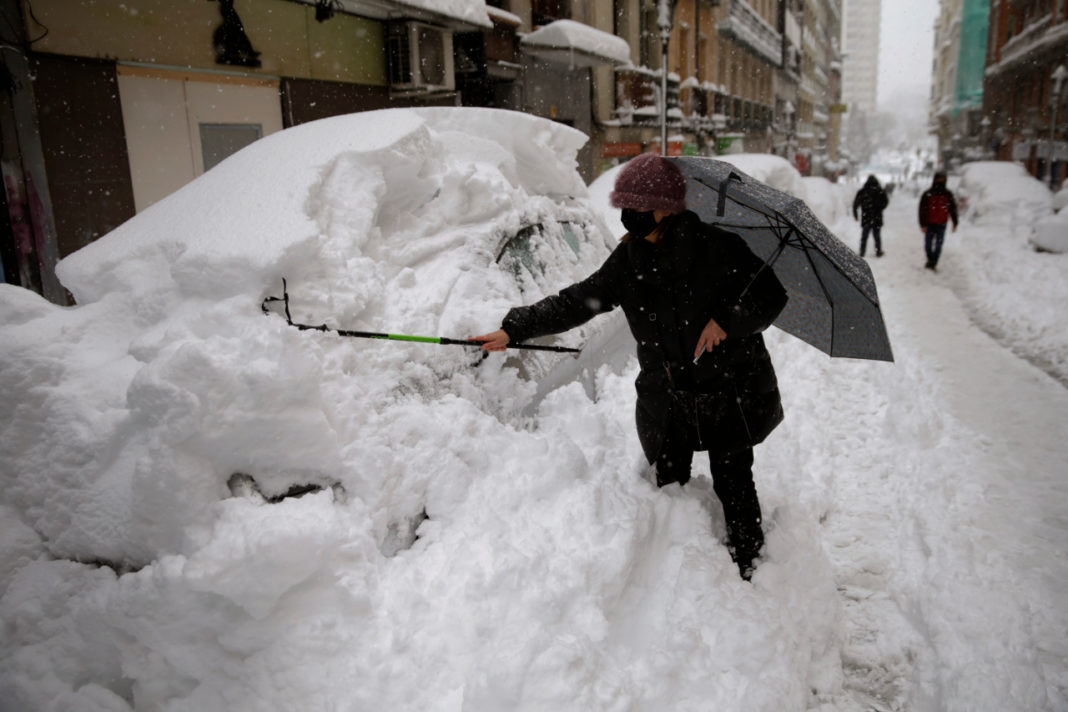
<point x="696" y="300"/>
<point x="872" y="201"/>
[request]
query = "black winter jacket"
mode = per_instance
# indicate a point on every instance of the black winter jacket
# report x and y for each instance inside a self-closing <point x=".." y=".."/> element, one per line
<point x="871" y="200"/>
<point x="668" y="292"/>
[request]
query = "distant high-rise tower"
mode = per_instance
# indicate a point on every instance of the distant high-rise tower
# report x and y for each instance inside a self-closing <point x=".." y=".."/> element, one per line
<point x="860" y="66"/>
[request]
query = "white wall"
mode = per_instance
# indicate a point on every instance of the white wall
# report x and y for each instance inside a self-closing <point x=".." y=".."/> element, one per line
<point x="162" y="113"/>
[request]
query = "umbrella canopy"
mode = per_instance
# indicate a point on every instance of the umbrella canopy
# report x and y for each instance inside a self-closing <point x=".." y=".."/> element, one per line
<point x="833" y="302"/>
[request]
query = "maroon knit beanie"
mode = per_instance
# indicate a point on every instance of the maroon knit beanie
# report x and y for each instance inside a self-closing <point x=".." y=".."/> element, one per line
<point x="650" y="182"/>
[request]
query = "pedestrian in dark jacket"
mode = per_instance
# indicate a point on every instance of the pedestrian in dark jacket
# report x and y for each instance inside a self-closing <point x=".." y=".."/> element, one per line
<point x="937" y="207"/>
<point x="696" y="299"/>
<point x="871" y="200"/>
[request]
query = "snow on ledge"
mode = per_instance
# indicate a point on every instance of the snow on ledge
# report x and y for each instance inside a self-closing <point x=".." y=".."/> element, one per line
<point x="569" y="40"/>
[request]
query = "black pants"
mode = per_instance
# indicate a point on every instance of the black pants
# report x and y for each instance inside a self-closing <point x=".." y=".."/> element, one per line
<point x="875" y="231"/>
<point x="732" y="480"/>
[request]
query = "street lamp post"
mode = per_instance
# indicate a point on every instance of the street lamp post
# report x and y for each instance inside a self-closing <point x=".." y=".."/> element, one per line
<point x="791" y="132"/>
<point x="665" y="10"/>
<point x="1057" y="79"/>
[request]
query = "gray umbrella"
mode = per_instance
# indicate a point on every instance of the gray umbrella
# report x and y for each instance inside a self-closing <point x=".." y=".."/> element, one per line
<point x="833" y="303"/>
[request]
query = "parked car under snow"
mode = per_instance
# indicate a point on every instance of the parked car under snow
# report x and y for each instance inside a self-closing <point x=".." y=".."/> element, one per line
<point x="415" y="221"/>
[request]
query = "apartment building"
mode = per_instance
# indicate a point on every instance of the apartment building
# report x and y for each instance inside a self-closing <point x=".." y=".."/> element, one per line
<point x="1026" y="83"/>
<point x="819" y="94"/>
<point x="860" y="64"/>
<point x="956" y="103"/>
<point x="736" y="71"/>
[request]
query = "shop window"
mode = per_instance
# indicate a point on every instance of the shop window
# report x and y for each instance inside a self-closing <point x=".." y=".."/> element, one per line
<point x="220" y="141"/>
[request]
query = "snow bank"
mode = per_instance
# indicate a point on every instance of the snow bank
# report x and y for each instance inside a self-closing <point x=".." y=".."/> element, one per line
<point x="1051" y="233"/>
<point x="1060" y="199"/>
<point x="831" y="202"/>
<point x="448" y="552"/>
<point x="599" y="191"/>
<point x="1014" y="291"/>
<point x="776" y="171"/>
<point x="1002" y="192"/>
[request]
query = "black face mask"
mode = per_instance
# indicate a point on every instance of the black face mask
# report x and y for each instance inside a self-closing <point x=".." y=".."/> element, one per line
<point x="638" y="224"/>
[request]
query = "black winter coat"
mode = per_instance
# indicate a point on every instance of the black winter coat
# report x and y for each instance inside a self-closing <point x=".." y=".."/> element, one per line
<point x="668" y="292"/>
<point x="871" y="200"/>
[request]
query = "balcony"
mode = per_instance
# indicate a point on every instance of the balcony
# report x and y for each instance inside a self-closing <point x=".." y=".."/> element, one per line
<point x="637" y="97"/>
<point x="746" y="26"/>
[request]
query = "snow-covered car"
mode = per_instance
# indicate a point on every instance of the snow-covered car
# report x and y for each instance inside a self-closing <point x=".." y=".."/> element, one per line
<point x="425" y="221"/>
<point x="775" y="171"/>
<point x="1001" y="192"/>
<point x="1051" y="233"/>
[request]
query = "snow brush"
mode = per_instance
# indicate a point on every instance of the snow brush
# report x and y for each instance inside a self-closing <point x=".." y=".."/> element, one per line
<point x="396" y="337"/>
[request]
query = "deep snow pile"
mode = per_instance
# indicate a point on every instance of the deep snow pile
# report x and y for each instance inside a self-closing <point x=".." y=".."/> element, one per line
<point x="1015" y="292"/>
<point x="776" y="171"/>
<point x="1002" y="192"/>
<point x="545" y="572"/>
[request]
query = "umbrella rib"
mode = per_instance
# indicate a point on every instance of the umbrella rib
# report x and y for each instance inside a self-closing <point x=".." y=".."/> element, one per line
<point x="823" y="287"/>
<point x="755" y="208"/>
<point x="783" y="242"/>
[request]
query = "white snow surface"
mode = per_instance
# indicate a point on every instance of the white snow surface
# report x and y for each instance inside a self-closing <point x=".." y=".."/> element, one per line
<point x="776" y="171"/>
<point x="474" y="11"/>
<point x="1051" y="233"/>
<point x="914" y="511"/>
<point x="1004" y="193"/>
<point x="568" y="34"/>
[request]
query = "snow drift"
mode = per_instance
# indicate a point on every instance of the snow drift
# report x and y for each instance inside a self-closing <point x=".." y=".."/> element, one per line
<point x="448" y="551"/>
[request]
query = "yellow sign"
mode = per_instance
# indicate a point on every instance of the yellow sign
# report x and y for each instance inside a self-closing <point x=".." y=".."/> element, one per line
<point x="838" y="108"/>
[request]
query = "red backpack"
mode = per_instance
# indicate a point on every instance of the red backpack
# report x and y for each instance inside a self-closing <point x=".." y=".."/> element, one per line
<point x="937" y="209"/>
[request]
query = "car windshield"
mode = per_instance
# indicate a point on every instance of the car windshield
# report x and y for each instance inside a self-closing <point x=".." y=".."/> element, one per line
<point x="532" y="252"/>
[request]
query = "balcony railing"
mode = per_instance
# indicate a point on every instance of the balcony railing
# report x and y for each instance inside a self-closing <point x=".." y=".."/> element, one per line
<point x="700" y="108"/>
<point x="638" y="97"/>
<point x="747" y="26"/>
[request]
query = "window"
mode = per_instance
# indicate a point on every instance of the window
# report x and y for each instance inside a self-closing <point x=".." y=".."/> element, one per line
<point x="529" y="253"/>
<point x="545" y="11"/>
<point x="220" y="141"/>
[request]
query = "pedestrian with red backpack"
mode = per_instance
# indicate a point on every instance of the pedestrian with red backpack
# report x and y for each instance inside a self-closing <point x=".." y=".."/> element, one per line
<point x="937" y="207"/>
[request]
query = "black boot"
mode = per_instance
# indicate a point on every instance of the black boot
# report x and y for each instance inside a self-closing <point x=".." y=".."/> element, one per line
<point x="732" y="480"/>
<point x="745" y="549"/>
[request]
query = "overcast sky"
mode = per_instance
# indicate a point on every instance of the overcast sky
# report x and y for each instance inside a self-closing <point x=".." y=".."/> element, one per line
<point x="906" y="47"/>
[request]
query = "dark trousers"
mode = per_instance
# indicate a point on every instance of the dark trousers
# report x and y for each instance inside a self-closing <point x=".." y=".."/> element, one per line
<point x="874" y="230"/>
<point x="932" y="242"/>
<point x="732" y="480"/>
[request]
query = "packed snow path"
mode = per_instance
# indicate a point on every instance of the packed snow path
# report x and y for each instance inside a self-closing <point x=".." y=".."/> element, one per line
<point x="949" y="546"/>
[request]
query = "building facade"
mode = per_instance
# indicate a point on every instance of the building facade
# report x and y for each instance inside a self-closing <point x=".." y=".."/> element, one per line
<point x="860" y="64"/>
<point x="1026" y="86"/>
<point x="819" y="95"/>
<point x="109" y="107"/>
<point x="744" y="76"/>
<point x="861" y="27"/>
<point x="955" y="111"/>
